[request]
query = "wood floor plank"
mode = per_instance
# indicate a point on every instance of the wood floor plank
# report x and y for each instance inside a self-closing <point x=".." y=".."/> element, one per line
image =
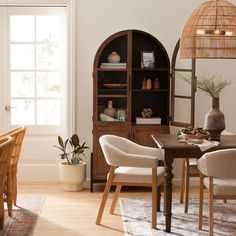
<point x="74" y="213"/>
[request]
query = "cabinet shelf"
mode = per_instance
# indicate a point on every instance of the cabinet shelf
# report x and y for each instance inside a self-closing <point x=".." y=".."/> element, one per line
<point x="112" y="96"/>
<point x="101" y="123"/>
<point x="150" y="70"/>
<point x="150" y="90"/>
<point x="112" y="69"/>
<point x="105" y="90"/>
<point x="134" y="124"/>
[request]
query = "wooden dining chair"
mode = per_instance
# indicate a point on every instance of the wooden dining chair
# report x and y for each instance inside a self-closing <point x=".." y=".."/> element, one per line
<point x="130" y="165"/>
<point x="6" y="146"/>
<point x="18" y="135"/>
<point x="189" y="169"/>
<point x="218" y="176"/>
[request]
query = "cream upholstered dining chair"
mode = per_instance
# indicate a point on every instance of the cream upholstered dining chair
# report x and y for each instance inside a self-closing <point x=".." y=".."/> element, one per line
<point x="6" y="145"/>
<point x="130" y="165"/>
<point x="190" y="169"/>
<point x="218" y="175"/>
<point x="18" y="134"/>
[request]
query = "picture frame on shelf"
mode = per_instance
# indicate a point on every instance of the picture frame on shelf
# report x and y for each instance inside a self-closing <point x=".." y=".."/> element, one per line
<point x="147" y="59"/>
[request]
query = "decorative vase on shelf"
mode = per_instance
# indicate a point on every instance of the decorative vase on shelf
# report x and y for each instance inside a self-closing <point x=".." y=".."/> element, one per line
<point x="156" y="84"/>
<point x="110" y="111"/>
<point x="149" y="84"/>
<point x="113" y="57"/>
<point x="214" y="120"/>
<point x="144" y="83"/>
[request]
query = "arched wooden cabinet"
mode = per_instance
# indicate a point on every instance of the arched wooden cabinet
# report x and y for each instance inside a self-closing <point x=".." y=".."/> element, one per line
<point x="122" y="83"/>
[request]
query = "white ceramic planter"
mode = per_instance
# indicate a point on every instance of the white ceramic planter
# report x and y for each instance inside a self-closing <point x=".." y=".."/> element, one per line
<point x="72" y="177"/>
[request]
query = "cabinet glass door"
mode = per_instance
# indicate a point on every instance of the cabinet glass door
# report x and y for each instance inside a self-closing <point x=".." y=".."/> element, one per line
<point x="182" y="93"/>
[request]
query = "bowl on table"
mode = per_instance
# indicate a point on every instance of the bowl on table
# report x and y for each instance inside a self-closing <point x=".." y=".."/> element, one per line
<point x="186" y="136"/>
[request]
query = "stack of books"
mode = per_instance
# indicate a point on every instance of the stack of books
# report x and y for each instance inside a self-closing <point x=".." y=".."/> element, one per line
<point x="113" y="65"/>
<point x="148" y="121"/>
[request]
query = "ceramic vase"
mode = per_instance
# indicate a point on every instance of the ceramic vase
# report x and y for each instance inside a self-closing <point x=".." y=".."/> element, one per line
<point x="113" y="57"/>
<point x="110" y="111"/>
<point x="214" y="120"/>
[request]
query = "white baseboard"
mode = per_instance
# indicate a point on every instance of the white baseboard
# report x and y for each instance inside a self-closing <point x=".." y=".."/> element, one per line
<point x="38" y="173"/>
<point x="49" y="173"/>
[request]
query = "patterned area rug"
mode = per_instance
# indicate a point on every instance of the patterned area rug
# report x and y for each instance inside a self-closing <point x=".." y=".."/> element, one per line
<point x="24" y="216"/>
<point x="136" y="214"/>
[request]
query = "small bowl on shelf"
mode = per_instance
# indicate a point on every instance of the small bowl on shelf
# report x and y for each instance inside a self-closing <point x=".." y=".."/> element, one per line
<point x="105" y="117"/>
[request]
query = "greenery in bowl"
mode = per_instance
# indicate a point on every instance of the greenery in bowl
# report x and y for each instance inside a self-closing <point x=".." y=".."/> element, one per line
<point x="209" y="84"/>
<point x="71" y="149"/>
<point x="193" y="133"/>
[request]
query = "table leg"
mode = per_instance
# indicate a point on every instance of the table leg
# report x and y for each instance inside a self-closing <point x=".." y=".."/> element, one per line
<point x="168" y="188"/>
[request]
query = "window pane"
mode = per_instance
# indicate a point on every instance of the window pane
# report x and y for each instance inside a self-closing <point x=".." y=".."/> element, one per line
<point x="182" y="63"/>
<point x="48" y="84"/>
<point x="48" y="56"/>
<point x="22" y="56"/>
<point x="48" y="28"/>
<point x="48" y="112"/>
<point x="22" y="84"/>
<point x="22" y="28"/>
<point x="22" y="112"/>
<point x="182" y="87"/>
<point x="182" y="110"/>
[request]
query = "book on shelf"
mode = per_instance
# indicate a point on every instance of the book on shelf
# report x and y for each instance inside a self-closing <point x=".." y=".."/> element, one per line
<point x="113" y="65"/>
<point x="150" y="121"/>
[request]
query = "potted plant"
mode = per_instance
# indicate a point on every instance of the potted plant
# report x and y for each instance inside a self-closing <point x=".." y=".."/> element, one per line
<point x="72" y="171"/>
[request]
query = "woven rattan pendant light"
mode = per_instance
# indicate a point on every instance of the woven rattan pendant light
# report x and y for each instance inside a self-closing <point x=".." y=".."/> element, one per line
<point x="210" y="31"/>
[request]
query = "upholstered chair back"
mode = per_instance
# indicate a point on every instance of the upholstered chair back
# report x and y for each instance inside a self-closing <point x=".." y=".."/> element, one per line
<point x="119" y="151"/>
<point x="218" y="164"/>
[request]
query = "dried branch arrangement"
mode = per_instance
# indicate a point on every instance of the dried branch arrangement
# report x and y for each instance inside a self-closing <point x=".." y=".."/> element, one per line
<point x="209" y="85"/>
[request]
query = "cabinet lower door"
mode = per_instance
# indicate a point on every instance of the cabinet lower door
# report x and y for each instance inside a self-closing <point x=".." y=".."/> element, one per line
<point x="100" y="167"/>
<point x="141" y="134"/>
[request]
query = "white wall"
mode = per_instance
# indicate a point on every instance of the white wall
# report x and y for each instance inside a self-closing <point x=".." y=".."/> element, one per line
<point x="96" y="20"/>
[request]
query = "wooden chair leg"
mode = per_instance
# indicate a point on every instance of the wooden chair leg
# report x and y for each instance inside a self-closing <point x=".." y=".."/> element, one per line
<point x="201" y="189"/>
<point x="164" y="199"/>
<point x="9" y="192"/>
<point x="105" y="195"/>
<point x="154" y="197"/>
<point x="186" y="186"/>
<point x="115" y="198"/>
<point x="159" y="197"/>
<point x="1" y="213"/>
<point x="182" y="182"/>
<point x="14" y="188"/>
<point x="210" y="206"/>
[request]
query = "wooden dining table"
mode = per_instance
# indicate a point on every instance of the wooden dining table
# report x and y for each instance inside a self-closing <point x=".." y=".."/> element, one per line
<point x="173" y="149"/>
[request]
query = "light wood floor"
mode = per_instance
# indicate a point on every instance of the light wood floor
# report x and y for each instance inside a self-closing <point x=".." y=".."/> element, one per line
<point x="74" y="213"/>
